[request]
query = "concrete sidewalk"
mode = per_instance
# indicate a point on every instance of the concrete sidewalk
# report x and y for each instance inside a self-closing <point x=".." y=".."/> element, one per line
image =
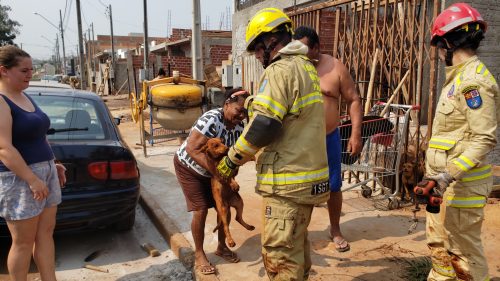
<point x="380" y="245"/>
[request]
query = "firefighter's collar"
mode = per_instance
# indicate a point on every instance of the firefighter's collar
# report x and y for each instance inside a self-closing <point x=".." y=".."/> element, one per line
<point x="454" y="70"/>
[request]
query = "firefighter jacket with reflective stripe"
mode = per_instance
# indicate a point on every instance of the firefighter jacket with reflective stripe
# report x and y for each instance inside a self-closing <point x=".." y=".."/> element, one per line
<point x="294" y="165"/>
<point x="464" y="129"/>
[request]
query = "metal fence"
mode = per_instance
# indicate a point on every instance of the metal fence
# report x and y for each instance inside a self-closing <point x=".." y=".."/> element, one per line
<point x="353" y="31"/>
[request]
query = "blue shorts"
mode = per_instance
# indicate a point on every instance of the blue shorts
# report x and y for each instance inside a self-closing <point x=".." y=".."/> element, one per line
<point x="334" y="152"/>
<point x="16" y="197"/>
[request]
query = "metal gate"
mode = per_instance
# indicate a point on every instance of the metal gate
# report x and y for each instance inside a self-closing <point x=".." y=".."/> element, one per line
<point x="353" y="31"/>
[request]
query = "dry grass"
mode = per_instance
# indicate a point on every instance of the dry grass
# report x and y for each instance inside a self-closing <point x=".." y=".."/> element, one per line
<point x="417" y="269"/>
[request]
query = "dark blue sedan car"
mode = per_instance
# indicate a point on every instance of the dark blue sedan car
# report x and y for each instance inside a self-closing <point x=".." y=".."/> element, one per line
<point x="102" y="188"/>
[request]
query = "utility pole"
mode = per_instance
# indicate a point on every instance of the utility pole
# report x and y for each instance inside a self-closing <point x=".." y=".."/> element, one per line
<point x="146" y="45"/>
<point x="58" y="55"/>
<point x="80" y="46"/>
<point x="62" y="39"/>
<point x="112" y="38"/>
<point x="196" y="42"/>
<point x="93" y="51"/>
<point x="112" y="69"/>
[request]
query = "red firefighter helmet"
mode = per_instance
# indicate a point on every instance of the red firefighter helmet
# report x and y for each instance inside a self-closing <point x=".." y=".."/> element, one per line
<point x="455" y="16"/>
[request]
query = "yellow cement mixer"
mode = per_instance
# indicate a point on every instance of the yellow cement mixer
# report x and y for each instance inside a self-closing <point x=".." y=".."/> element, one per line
<point x="175" y="103"/>
<point x="176" y="106"/>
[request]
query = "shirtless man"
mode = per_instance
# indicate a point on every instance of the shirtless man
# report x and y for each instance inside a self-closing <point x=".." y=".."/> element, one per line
<point x="335" y="82"/>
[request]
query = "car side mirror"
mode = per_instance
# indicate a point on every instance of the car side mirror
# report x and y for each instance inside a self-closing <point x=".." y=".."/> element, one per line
<point x="118" y="120"/>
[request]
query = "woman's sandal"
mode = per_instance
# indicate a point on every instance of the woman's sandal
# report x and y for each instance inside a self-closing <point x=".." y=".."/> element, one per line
<point x="205" y="269"/>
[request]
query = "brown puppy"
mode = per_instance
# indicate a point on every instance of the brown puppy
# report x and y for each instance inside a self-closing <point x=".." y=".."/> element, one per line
<point x="408" y="179"/>
<point x="225" y="193"/>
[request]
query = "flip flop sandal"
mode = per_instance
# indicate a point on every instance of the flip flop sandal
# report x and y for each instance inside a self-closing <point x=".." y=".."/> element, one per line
<point x="339" y="245"/>
<point x="205" y="269"/>
<point x="228" y="256"/>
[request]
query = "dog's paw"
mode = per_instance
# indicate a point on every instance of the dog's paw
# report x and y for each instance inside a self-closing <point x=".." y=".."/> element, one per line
<point x="234" y="186"/>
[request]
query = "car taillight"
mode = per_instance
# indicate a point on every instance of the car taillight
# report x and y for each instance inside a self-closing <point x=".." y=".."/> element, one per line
<point x="116" y="170"/>
<point x="98" y="170"/>
<point x="121" y="170"/>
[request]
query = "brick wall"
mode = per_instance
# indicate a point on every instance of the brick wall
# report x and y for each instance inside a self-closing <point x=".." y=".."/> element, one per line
<point x="103" y="42"/>
<point x="218" y="53"/>
<point x="138" y="60"/>
<point x="182" y="64"/>
<point x="327" y="31"/>
<point x="179" y="33"/>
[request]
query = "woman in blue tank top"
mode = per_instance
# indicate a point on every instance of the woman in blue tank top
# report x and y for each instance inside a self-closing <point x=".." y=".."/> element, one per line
<point x="30" y="181"/>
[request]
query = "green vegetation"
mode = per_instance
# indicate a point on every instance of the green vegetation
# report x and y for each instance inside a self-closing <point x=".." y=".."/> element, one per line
<point x="8" y="27"/>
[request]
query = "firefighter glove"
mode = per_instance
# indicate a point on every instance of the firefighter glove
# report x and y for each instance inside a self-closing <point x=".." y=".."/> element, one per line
<point x="227" y="168"/>
<point x="443" y="180"/>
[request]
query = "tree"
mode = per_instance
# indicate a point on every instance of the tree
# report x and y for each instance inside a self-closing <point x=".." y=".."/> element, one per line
<point x="8" y="27"/>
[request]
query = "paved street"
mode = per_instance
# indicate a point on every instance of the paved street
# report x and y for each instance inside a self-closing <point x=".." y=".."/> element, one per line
<point x="120" y="253"/>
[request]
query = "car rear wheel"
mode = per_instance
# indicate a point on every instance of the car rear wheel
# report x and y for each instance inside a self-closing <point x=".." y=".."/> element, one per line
<point x="126" y="223"/>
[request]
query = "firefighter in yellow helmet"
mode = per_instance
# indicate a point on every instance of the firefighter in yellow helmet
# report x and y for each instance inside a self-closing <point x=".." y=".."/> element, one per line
<point x="286" y="121"/>
<point x="463" y="133"/>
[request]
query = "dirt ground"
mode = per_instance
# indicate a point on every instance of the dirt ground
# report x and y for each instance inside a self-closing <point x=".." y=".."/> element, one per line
<point x="381" y="249"/>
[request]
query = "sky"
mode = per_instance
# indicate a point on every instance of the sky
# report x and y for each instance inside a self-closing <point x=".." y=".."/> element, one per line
<point x="38" y="37"/>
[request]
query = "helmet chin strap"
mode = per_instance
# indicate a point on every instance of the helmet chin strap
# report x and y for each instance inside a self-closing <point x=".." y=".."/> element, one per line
<point x="448" y="59"/>
<point x="267" y="54"/>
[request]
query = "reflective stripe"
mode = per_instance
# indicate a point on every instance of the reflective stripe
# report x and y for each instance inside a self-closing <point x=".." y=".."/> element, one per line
<point x="293" y="178"/>
<point x="466" y="202"/>
<point x="456" y="23"/>
<point x="458" y="80"/>
<point x="245" y="147"/>
<point x="306" y="100"/>
<point x="486" y="72"/>
<point x="267" y="102"/>
<point x="444" y="270"/>
<point x="477" y="174"/>
<point x="480" y="68"/>
<point x="464" y="163"/>
<point x="443" y="144"/>
<point x="276" y="22"/>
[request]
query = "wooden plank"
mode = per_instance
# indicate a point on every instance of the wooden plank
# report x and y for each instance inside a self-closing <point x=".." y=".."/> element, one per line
<point x="433" y="76"/>
<point x="318" y="18"/>
<point x="372" y="78"/>
<point x="336" y="33"/>
<point x="318" y="7"/>
<point x="421" y="50"/>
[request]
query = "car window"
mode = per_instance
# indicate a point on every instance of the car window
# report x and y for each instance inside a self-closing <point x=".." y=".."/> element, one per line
<point x="71" y="118"/>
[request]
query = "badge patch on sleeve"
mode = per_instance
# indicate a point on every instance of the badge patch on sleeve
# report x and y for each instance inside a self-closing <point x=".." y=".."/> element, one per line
<point x="451" y="91"/>
<point x="472" y="97"/>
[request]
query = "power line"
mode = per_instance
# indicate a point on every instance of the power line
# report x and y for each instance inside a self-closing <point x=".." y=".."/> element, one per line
<point x="84" y="19"/>
<point x="65" y="7"/>
<point x="98" y="9"/>
<point x="106" y="6"/>
<point x="68" y="15"/>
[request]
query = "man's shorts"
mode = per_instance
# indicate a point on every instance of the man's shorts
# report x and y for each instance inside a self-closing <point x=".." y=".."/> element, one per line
<point x="197" y="189"/>
<point x="334" y="152"/>
<point x="16" y="197"/>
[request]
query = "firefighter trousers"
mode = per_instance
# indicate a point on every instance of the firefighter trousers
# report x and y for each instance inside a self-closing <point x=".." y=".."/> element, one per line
<point x="454" y="237"/>
<point x="285" y="245"/>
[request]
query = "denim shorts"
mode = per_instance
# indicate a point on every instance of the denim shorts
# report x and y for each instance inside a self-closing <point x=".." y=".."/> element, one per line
<point x="16" y="197"/>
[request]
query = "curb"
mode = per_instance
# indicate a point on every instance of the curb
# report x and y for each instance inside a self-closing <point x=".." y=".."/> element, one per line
<point x="167" y="228"/>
